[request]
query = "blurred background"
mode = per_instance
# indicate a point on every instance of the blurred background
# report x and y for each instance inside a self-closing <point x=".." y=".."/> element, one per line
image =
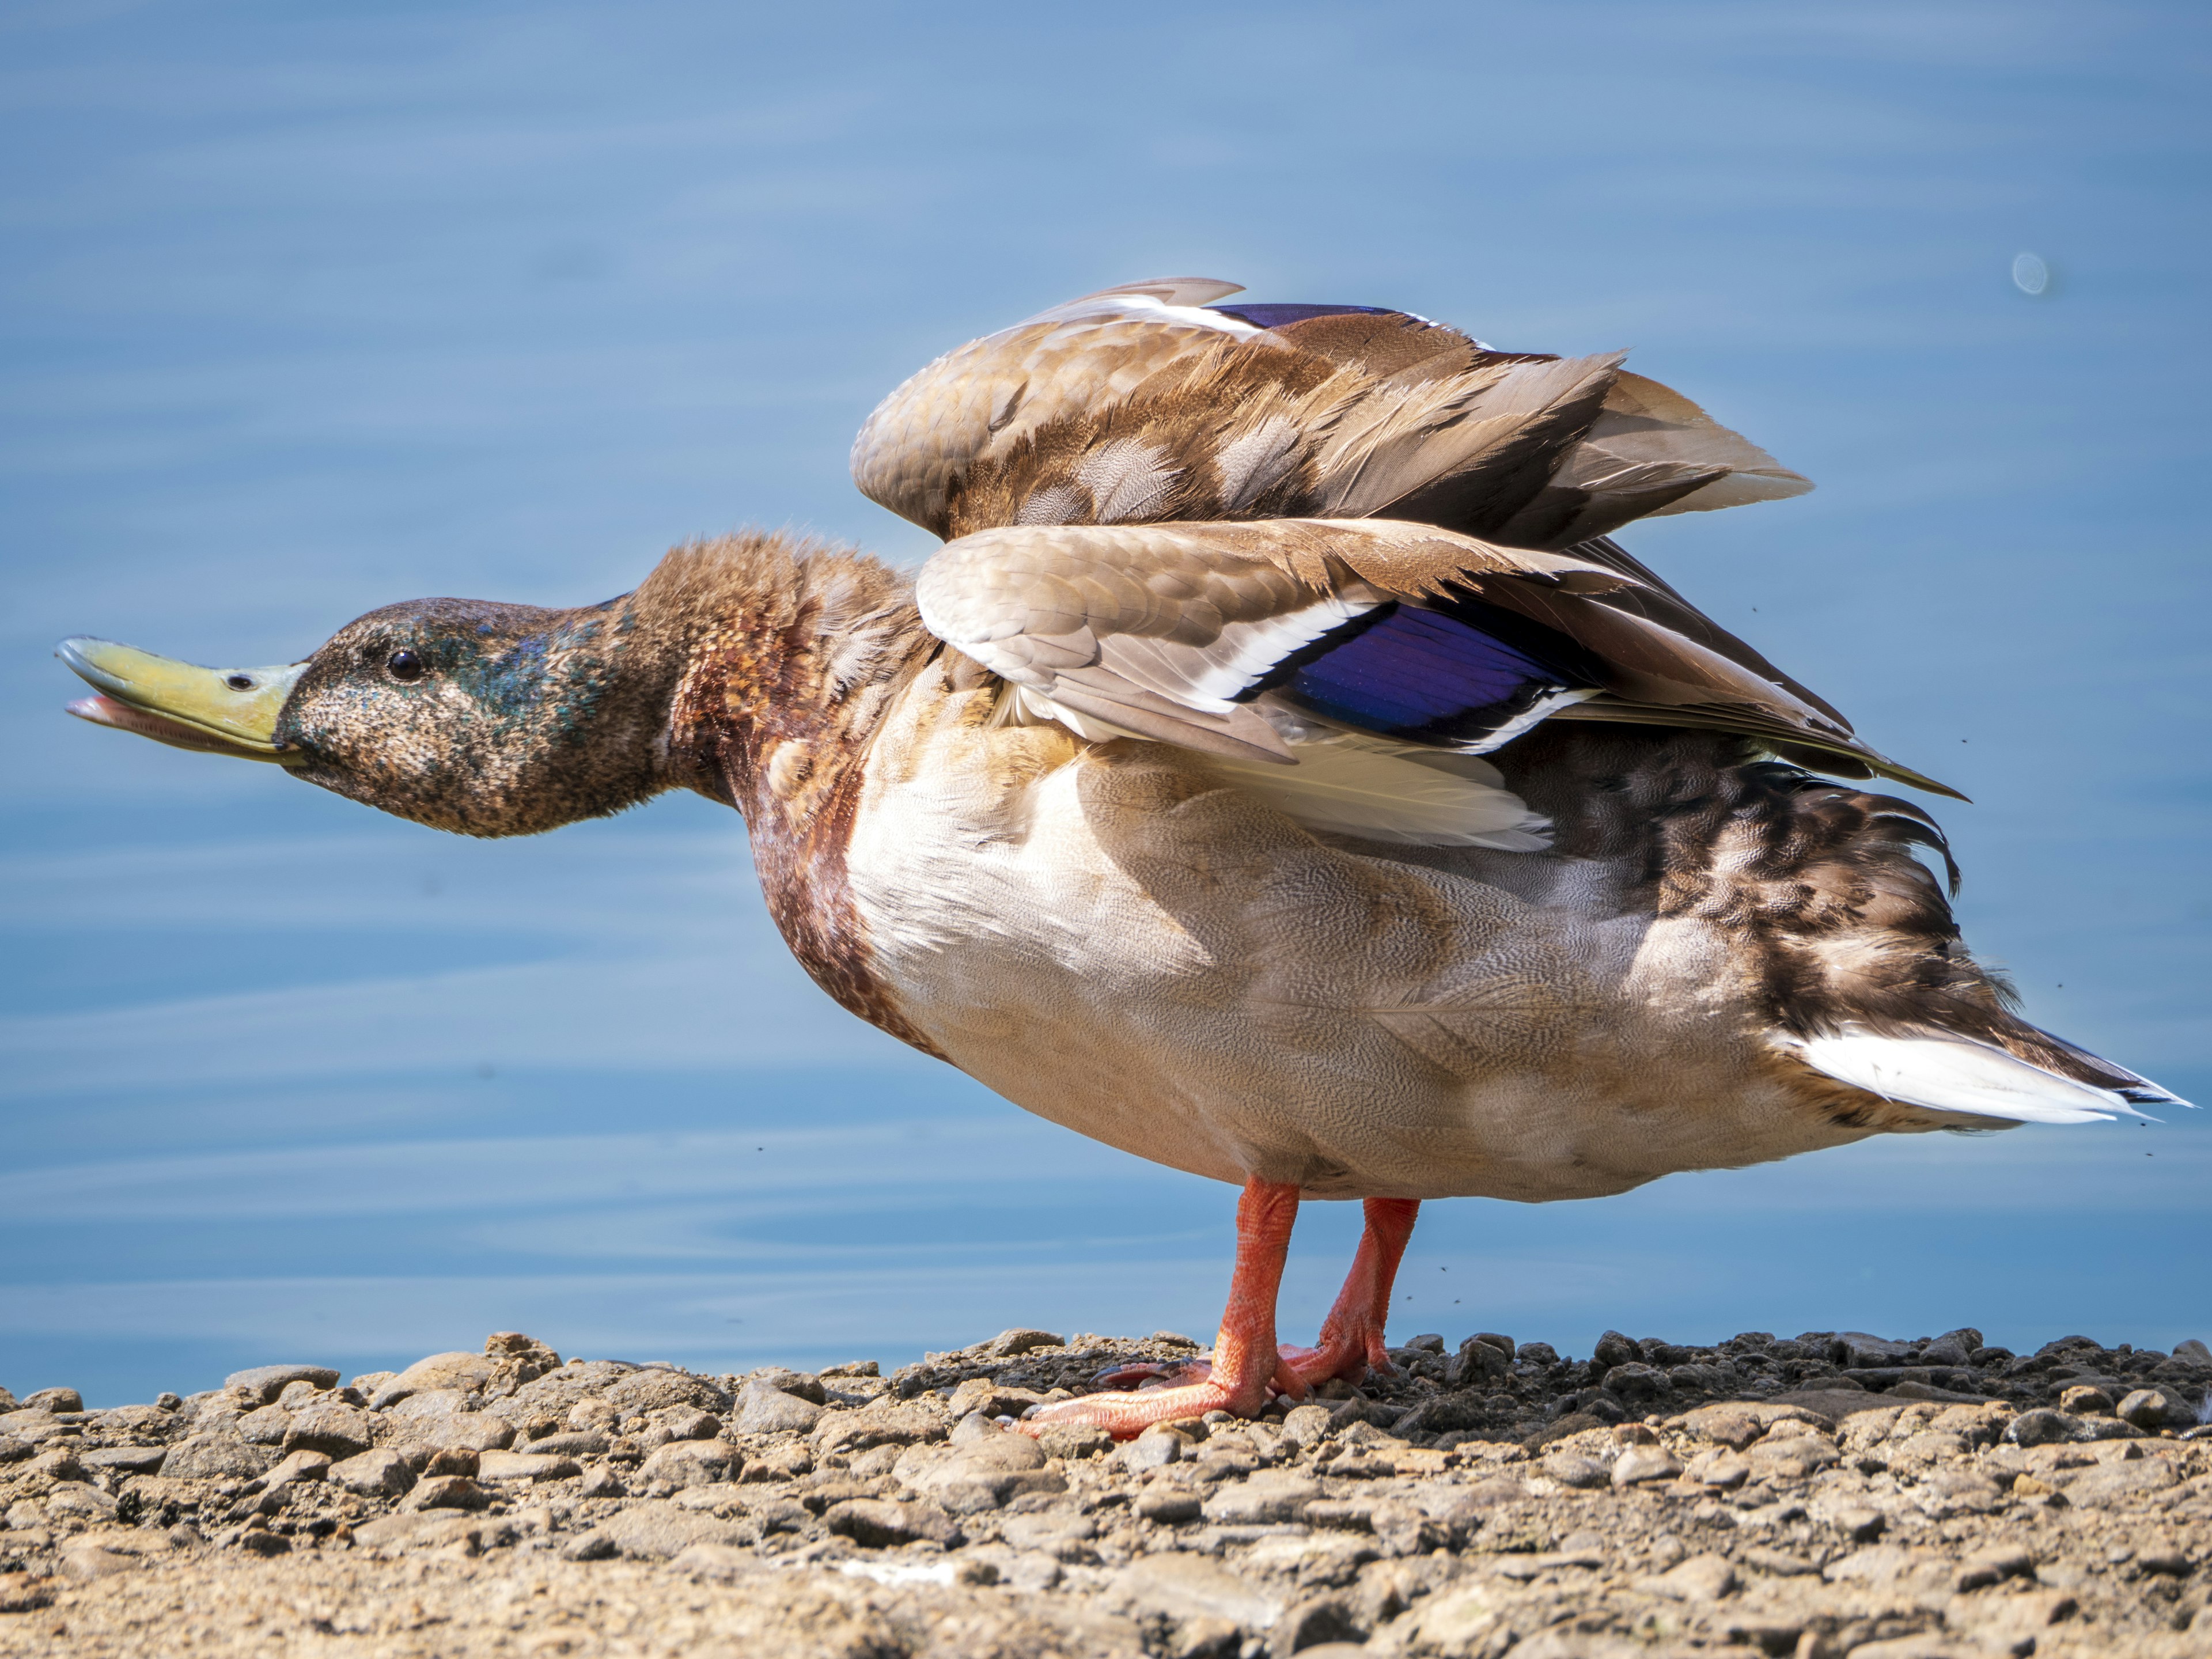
<point x="306" y="310"/>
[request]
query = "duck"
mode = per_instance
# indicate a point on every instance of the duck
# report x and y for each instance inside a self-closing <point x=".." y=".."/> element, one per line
<point x="1279" y="772"/>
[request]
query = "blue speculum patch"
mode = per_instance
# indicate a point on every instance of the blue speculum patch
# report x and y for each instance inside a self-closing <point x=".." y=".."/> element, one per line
<point x="1274" y="316"/>
<point x="1417" y="673"/>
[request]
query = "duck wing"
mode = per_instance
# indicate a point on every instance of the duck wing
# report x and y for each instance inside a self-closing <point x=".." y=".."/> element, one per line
<point x="1145" y="403"/>
<point x="1242" y="638"/>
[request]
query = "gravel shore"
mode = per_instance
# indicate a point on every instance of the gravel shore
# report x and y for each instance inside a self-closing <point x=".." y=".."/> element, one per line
<point x="1825" y="1495"/>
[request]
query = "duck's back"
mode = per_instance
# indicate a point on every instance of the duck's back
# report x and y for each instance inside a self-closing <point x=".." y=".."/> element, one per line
<point x="1313" y="790"/>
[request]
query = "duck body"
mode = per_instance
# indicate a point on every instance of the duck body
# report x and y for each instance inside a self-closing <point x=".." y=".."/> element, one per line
<point x="1116" y="939"/>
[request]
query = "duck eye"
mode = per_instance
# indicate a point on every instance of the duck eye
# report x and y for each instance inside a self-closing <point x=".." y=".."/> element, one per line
<point x="239" y="682"/>
<point x="403" y="665"/>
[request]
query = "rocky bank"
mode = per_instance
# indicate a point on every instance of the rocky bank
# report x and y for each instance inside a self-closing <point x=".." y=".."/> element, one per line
<point x="1829" y="1494"/>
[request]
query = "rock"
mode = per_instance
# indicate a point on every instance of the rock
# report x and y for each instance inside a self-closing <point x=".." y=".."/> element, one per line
<point x="1313" y="1625"/>
<point x="1989" y="1565"/>
<point x="497" y="1469"/>
<point x="1723" y="1469"/>
<point x="1614" y="1349"/>
<point x="765" y="1410"/>
<point x="1169" y="1504"/>
<point x="422" y="1438"/>
<point x="1637" y="1382"/>
<point x="881" y="1423"/>
<point x="2084" y="1401"/>
<point x="1859" y="1352"/>
<point x="879" y="1523"/>
<point x="1861" y="1526"/>
<point x="266" y="1427"/>
<point x="447" y="1491"/>
<point x="1573" y="1469"/>
<point x="265" y="1382"/>
<point x="804" y="1385"/>
<point x="77" y="1501"/>
<point x="1071" y="1441"/>
<point x="1470" y="1620"/>
<point x="125" y="1460"/>
<point x="2042" y="1428"/>
<point x="298" y="1465"/>
<point x="2153" y="1409"/>
<point x="52" y="1400"/>
<point x="517" y="1360"/>
<point x="1637" y="1463"/>
<point x="339" y="1431"/>
<point x="466" y="1373"/>
<point x="990" y="1397"/>
<point x="593" y="1444"/>
<point x="653" y="1389"/>
<point x="254" y="1541"/>
<point x="2114" y="1482"/>
<point x="1007" y="1344"/>
<point x="1187" y="1587"/>
<point x="215" y="1457"/>
<point x="1270" y="1496"/>
<point x="1305" y="1426"/>
<point x="981" y="1474"/>
<point x="1478" y="1361"/>
<point x="688" y="1463"/>
<point x="374" y="1475"/>
<point x="92" y="1561"/>
<point x="1700" y="1578"/>
<point x="2192" y="1352"/>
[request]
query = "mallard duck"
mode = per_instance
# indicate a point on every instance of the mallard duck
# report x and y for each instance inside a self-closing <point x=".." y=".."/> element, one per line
<point x="1279" y="774"/>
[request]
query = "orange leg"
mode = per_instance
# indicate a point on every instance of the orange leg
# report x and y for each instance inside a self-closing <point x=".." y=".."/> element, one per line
<point x="1249" y="1365"/>
<point x="1245" y="1361"/>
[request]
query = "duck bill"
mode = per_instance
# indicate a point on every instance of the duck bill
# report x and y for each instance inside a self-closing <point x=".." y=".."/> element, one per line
<point x="217" y="711"/>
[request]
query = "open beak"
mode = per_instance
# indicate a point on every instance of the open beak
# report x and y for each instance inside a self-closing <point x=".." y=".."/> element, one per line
<point x="221" y="711"/>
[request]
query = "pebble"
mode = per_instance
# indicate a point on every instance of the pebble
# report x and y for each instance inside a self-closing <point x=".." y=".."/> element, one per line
<point x="764" y="1409"/>
<point x="265" y="1382"/>
<point x="52" y="1400"/>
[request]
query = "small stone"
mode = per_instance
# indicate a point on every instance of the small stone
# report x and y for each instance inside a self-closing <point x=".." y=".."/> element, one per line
<point x="1186" y="1587"/>
<point x="1305" y="1426"/>
<point x="92" y="1561"/>
<point x="1167" y="1504"/>
<point x="1468" y="1620"/>
<point x="339" y="1431"/>
<point x="266" y="1427"/>
<point x="124" y="1460"/>
<point x="2152" y="1409"/>
<point x="214" y="1457"/>
<point x="447" y="1491"/>
<point x="882" y="1422"/>
<point x="1071" y="1441"/>
<point x="265" y="1383"/>
<point x="804" y="1385"/>
<point x="255" y="1541"/>
<point x="690" y="1462"/>
<point x="1700" y="1578"/>
<point x="1861" y="1526"/>
<point x="374" y="1475"/>
<point x="465" y="1372"/>
<point x="602" y="1482"/>
<point x="1573" y="1469"/>
<point x="765" y="1410"/>
<point x="1007" y="1344"/>
<point x="2193" y="1351"/>
<point x="503" y="1467"/>
<point x="1155" y="1449"/>
<point x="572" y="1444"/>
<point x="298" y="1465"/>
<point x="2086" y="1401"/>
<point x="452" y="1459"/>
<point x="1614" y="1349"/>
<point x="2042" y="1428"/>
<point x="79" y="1502"/>
<point x="1477" y="1362"/>
<point x="1724" y="1470"/>
<point x="52" y="1400"/>
<point x="1265" y="1498"/>
<point x="1314" y="1624"/>
<point x="59" y="1463"/>
<point x="878" y="1523"/>
<point x="1637" y="1463"/>
<point x="1989" y="1565"/>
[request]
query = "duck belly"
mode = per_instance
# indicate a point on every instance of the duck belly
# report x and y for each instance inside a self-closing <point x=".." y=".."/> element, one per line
<point x="1116" y="939"/>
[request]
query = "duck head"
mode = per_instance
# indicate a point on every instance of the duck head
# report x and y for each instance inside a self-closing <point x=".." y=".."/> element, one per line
<point x="480" y="718"/>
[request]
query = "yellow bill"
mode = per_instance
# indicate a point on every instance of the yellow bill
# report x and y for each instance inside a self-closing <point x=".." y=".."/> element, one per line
<point x="222" y="711"/>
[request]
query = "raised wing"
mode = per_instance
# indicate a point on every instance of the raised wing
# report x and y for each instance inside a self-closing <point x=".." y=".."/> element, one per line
<point x="1243" y="639"/>
<point x="1144" y="404"/>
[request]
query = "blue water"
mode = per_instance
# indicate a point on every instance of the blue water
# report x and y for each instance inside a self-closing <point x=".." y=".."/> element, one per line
<point x="306" y="311"/>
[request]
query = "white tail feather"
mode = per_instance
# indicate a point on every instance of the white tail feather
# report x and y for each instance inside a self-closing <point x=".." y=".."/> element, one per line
<point x="1956" y="1074"/>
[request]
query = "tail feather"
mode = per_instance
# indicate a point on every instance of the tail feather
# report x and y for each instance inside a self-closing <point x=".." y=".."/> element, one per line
<point x="1951" y="1073"/>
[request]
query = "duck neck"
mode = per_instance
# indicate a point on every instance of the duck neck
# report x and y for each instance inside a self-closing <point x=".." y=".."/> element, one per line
<point x="791" y="656"/>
